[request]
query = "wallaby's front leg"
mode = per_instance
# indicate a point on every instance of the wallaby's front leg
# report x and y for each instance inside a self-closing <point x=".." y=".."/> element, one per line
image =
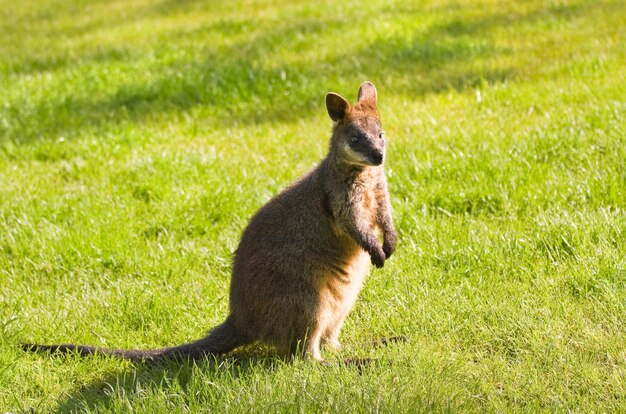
<point x="385" y="220"/>
<point x="352" y="220"/>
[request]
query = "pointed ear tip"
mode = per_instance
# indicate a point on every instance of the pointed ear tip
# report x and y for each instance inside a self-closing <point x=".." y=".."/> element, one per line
<point x="337" y="106"/>
<point x="332" y="97"/>
<point x="368" y="84"/>
<point x="367" y="91"/>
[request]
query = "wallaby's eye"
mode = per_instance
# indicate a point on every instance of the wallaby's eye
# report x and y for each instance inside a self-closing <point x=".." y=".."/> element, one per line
<point x="354" y="138"/>
<point x="381" y="135"/>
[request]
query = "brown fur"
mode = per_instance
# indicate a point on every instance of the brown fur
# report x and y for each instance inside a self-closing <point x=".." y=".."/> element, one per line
<point x="303" y="258"/>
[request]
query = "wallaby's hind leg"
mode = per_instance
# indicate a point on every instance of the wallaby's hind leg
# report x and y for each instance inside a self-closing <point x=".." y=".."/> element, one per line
<point x="312" y="344"/>
<point x="331" y="336"/>
<point x="309" y="346"/>
<point x="331" y="333"/>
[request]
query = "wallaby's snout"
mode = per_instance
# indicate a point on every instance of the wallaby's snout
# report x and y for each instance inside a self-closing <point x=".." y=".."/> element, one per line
<point x="377" y="157"/>
<point x="372" y="150"/>
<point x="377" y="153"/>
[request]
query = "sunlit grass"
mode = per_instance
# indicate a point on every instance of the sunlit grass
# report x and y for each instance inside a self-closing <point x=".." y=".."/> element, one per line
<point x="137" y="138"/>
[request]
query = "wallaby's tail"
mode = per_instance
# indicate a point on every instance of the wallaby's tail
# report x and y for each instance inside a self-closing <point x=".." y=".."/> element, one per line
<point x="222" y="339"/>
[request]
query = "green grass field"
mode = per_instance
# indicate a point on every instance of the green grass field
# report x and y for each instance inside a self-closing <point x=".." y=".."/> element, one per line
<point x="137" y="138"/>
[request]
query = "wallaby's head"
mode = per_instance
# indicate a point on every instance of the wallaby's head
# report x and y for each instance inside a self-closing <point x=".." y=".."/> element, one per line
<point x="357" y="135"/>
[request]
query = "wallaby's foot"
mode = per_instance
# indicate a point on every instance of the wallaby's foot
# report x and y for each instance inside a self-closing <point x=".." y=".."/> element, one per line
<point x="312" y="346"/>
<point x="334" y="344"/>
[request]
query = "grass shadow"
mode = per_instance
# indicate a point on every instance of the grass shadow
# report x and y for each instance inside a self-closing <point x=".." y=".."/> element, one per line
<point x="242" y="84"/>
<point x="123" y="388"/>
<point x="177" y="379"/>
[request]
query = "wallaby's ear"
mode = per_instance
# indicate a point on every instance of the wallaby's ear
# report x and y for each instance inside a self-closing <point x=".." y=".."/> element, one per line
<point x="338" y="108"/>
<point x="367" y="94"/>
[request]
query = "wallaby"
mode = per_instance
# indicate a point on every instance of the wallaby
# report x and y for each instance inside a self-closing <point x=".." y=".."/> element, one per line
<point x="303" y="257"/>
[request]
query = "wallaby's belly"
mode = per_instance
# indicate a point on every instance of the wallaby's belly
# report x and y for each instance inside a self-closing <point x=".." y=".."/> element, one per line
<point x="279" y="292"/>
<point x="337" y="293"/>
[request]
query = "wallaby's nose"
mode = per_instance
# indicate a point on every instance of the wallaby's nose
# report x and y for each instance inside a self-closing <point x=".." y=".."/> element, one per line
<point x="377" y="157"/>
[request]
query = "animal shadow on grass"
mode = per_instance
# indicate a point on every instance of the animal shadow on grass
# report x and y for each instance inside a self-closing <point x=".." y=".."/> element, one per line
<point x="128" y="385"/>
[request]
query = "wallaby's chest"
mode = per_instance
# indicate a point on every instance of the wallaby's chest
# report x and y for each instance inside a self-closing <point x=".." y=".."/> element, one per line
<point x="369" y="207"/>
<point x="365" y="199"/>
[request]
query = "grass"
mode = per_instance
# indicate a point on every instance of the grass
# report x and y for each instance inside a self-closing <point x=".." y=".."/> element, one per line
<point x="137" y="138"/>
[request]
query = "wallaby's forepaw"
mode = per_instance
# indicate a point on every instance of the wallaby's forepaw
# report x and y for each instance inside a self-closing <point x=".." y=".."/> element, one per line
<point x="378" y="257"/>
<point x="389" y="245"/>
